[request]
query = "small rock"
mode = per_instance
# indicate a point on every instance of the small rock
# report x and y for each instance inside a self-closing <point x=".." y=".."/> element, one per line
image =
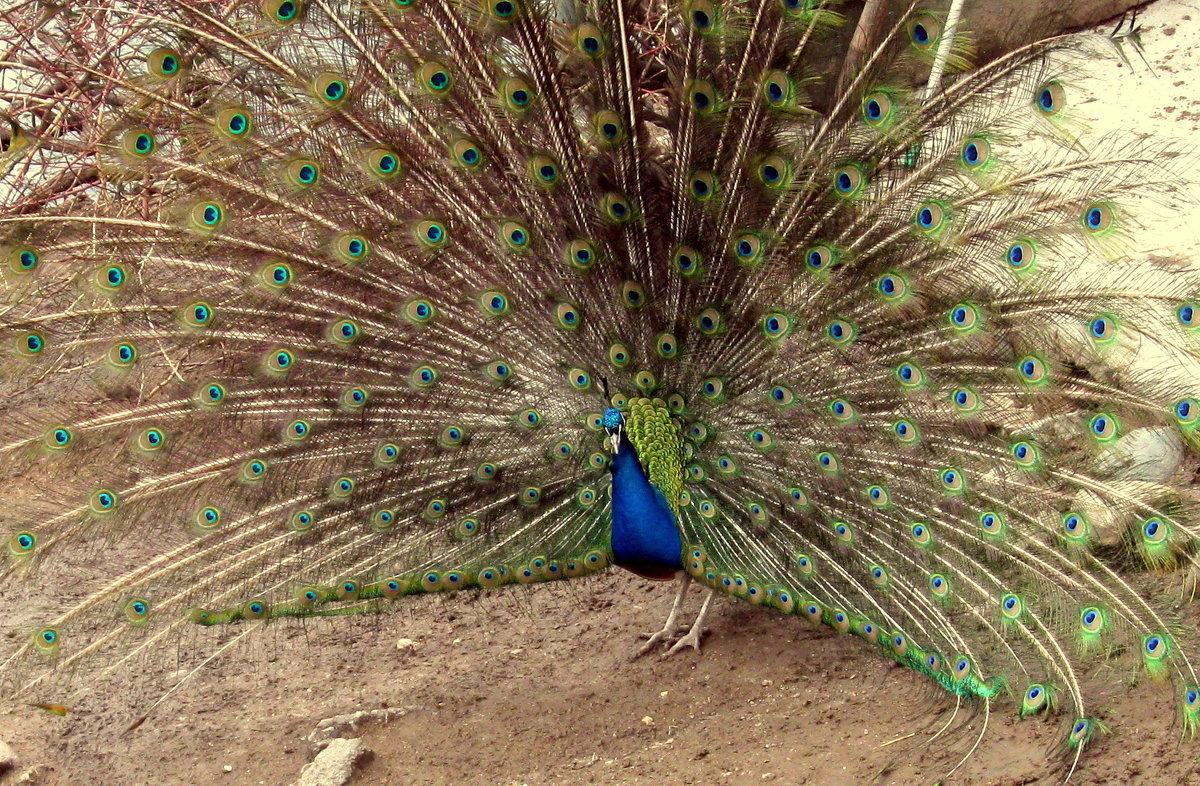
<point x="227" y="768"/>
<point x="8" y="757"/>
<point x="647" y="720"/>
<point x="334" y="765"/>
<point x="406" y="645"/>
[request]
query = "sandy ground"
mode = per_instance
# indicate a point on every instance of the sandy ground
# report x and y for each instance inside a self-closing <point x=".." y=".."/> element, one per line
<point x="536" y="686"/>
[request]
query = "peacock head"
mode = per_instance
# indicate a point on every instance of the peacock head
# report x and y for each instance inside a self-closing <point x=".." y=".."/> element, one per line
<point x="614" y="425"/>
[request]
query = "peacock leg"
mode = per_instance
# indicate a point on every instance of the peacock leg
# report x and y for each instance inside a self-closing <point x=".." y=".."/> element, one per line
<point x="692" y="639"/>
<point x="669" y="629"/>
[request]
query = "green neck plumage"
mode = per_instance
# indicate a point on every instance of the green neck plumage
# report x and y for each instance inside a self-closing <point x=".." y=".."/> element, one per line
<point x="655" y="435"/>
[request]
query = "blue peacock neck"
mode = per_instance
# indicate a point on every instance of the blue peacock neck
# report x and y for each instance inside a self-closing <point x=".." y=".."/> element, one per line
<point x="645" y="532"/>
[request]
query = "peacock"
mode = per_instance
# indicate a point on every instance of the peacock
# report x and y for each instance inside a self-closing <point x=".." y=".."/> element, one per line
<point x="313" y="305"/>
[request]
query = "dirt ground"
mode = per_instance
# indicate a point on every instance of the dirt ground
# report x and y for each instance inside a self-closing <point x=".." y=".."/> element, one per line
<point x="535" y="686"/>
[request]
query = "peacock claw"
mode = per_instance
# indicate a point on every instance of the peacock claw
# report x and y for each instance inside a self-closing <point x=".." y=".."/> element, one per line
<point x="692" y="639"/>
<point x="664" y="636"/>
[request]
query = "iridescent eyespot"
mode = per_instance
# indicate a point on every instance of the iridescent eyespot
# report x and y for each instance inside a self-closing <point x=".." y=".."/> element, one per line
<point x="466" y="154"/>
<point x="23" y="259"/>
<point x="207" y="216"/>
<point x="301" y="173"/>
<point x="633" y="294"/>
<point x="828" y="462"/>
<point x="820" y="257"/>
<point x="111" y="278"/>
<point x="709" y="322"/>
<point x="567" y="316"/>
<point x="234" y="122"/>
<point x="207" y="518"/>
<point x="953" y="480"/>
<point x="1104" y="427"/>
<point x="351" y="248"/>
<point x="892" y="287"/>
<point x="965" y="400"/>
<point x="381" y="162"/>
<point x="1026" y="454"/>
<point x="774" y="172"/>
<point x="702" y="96"/>
<point x="924" y="30"/>
<point x="992" y="523"/>
<point x="253" y="470"/>
<point x="931" y="218"/>
<point x="1075" y="526"/>
<point x="703" y="186"/>
<point x="589" y="40"/>
<point x="1098" y="218"/>
<point x="529" y="418"/>
<point x="275" y="276"/>
<point x="281" y="12"/>
<point x="297" y="431"/>
<point x="387" y="454"/>
<point x="579" y="254"/>
<point x="354" y="399"/>
<point x="781" y="396"/>
<point x="435" y="78"/>
<point x="545" y="172"/>
<point x="1103" y="328"/>
<point x="497" y="370"/>
<point x="608" y="127"/>
<point x="842" y="410"/>
<point x="849" y="181"/>
<point x="965" y="318"/>
<point x="494" y="303"/>
<point x="342" y="487"/>
<point x="579" y="379"/>
<point x="1033" y="370"/>
<point x="138" y="142"/>
<point x="1021" y="256"/>
<point x="906" y="432"/>
<point x="211" y="395"/>
<point x="840" y="332"/>
<point x="777" y="89"/>
<point x="503" y="10"/>
<point x="121" y="355"/>
<point x="616" y="207"/>
<point x="103" y="502"/>
<point x="514" y="235"/>
<point x="151" y="440"/>
<point x="419" y="311"/>
<point x="776" y="325"/>
<point x="713" y="389"/>
<point x="164" y="63"/>
<point x="301" y="520"/>
<point x="279" y="361"/>
<point x="878" y="109"/>
<point x="451" y="437"/>
<point x="687" y="261"/>
<point x="748" y="248"/>
<point x="1187" y="411"/>
<point x="330" y="88"/>
<point x="47" y="640"/>
<point x="619" y="355"/>
<point x="1050" y="99"/>
<point x="666" y="345"/>
<point x="423" y="377"/>
<point x="976" y="155"/>
<point x="430" y="234"/>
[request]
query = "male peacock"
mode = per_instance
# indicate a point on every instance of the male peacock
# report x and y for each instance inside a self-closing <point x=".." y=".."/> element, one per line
<point x="311" y="305"/>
